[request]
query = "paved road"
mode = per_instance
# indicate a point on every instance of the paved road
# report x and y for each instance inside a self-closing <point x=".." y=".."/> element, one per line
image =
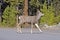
<point x="11" y="34"/>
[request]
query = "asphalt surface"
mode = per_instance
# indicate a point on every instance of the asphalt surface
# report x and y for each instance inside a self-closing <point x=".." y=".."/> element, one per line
<point x="11" y="34"/>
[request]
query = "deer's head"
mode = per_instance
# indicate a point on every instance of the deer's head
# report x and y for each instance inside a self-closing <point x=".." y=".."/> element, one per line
<point x="39" y="14"/>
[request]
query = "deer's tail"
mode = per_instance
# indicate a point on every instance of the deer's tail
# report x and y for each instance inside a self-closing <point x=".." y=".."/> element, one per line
<point x="19" y="17"/>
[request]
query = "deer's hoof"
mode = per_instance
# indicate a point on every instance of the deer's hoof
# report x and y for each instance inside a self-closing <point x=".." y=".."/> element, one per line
<point x="41" y="31"/>
<point x="21" y="32"/>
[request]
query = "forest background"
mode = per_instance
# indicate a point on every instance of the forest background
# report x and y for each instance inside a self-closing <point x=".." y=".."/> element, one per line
<point x="10" y="9"/>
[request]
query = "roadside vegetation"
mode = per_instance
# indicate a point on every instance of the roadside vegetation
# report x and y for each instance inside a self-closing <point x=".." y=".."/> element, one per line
<point x="51" y="9"/>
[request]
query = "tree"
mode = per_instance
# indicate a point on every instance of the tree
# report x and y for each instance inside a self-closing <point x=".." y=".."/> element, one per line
<point x="34" y="4"/>
<point x="48" y="17"/>
<point x="25" y="7"/>
<point x="9" y="15"/>
<point x="0" y="12"/>
<point x="56" y="4"/>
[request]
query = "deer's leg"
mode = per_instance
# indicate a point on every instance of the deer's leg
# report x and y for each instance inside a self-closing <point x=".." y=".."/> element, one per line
<point x="19" y="28"/>
<point x="31" y="27"/>
<point x="38" y="27"/>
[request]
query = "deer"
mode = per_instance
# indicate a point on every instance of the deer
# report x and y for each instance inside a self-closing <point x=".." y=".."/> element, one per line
<point x="30" y="19"/>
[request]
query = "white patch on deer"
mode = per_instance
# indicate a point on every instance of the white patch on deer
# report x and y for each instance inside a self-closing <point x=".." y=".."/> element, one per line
<point x="38" y="27"/>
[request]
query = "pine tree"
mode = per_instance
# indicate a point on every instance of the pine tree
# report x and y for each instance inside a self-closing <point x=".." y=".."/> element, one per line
<point x="0" y="12"/>
<point x="56" y="4"/>
<point x="48" y="17"/>
<point x="9" y="14"/>
<point x="35" y="3"/>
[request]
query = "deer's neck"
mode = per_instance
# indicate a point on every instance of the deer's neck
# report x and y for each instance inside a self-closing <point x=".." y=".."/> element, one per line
<point x="38" y="16"/>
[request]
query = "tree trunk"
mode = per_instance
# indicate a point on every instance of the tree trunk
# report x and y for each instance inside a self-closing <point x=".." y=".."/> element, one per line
<point x="26" y="7"/>
<point x="25" y="10"/>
